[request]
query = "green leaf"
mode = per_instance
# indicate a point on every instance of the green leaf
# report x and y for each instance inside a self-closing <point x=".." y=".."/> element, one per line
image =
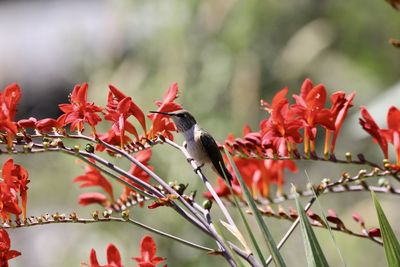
<point x="326" y="221"/>
<point x="390" y="242"/>
<point x="315" y="256"/>
<point x="276" y="256"/>
<point x="247" y="225"/>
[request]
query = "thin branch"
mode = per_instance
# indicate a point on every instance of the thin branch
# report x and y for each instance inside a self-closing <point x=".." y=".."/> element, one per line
<point x="57" y="219"/>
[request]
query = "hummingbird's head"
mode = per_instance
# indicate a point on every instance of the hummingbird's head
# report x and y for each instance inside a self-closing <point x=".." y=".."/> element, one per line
<point x="182" y="119"/>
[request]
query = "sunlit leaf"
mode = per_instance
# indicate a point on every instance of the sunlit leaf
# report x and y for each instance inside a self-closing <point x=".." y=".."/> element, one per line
<point x="390" y="242"/>
<point x="315" y="256"/>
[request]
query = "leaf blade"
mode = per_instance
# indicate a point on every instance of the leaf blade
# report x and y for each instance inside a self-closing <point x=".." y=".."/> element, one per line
<point x="276" y="256"/>
<point x="390" y="243"/>
<point x="314" y="253"/>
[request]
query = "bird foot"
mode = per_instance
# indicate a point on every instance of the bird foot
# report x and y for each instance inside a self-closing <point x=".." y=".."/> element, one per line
<point x="198" y="168"/>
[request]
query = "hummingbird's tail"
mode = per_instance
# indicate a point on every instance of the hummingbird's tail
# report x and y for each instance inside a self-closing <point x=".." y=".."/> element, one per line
<point x="223" y="172"/>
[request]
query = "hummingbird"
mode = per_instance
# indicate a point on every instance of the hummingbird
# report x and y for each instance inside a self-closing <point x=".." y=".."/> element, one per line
<point x="200" y="145"/>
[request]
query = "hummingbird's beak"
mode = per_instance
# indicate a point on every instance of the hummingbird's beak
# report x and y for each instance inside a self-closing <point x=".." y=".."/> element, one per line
<point x="160" y="112"/>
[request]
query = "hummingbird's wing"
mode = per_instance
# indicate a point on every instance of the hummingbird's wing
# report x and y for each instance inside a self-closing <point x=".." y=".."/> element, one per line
<point x="211" y="148"/>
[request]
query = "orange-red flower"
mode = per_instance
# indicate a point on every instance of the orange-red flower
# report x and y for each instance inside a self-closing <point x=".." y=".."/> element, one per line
<point x="148" y="251"/>
<point x="93" y="198"/>
<point x="5" y="253"/>
<point x="371" y="127"/>
<point x="113" y="258"/>
<point x="392" y="133"/>
<point x="8" y="201"/>
<point x="280" y="132"/>
<point x="16" y="177"/>
<point x="310" y="110"/>
<point x="9" y="99"/>
<point x="161" y="124"/>
<point x="93" y="177"/>
<point x="115" y="96"/>
<point x="119" y="117"/>
<point x="340" y="106"/>
<point x="80" y="111"/>
<point x="143" y="157"/>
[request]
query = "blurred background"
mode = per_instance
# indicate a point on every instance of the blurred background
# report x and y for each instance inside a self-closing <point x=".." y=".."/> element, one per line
<point x="226" y="55"/>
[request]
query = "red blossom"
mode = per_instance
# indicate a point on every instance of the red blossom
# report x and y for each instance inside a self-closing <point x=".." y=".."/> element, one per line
<point x="258" y="174"/>
<point x="9" y="99"/>
<point x="113" y="258"/>
<point x="48" y="125"/>
<point x="27" y="123"/>
<point x="93" y="177"/>
<point x="112" y="138"/>
<point x="16" y="177"/>
<point x="309" y="108"/>
<point x="281" y="130"/>
<point x="119" y="117"/>
<point x="5" y="253"/>
<point x="340" y="106"/>
<point x="392" y="134"/>
<point x="161" y="124"/>
<point x="8" y="201"/>
<point x="371" y="127"/>
<point x="115" y="96"/>
<point x="93" y="198"/>
<point x="79" y="111"/>
<point x="148" y="251"/>
<point x="143" y="157"/>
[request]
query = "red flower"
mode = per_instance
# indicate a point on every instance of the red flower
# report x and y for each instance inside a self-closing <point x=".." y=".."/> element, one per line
<point x="113" y="258"/>
<point x="340" y="106"/>
<point x="392" y="134"/>
<point x="370" y="126"/>
<point x="27" y="123"/>
<point x="93" y="198"/>
<point x="258" y="174"/>
<point x="16" y="176"/>
<point x="310" y="109"/>
<point x="112" y="138"/>
<point x="80" y="111"/>
<point x="48" y="125"/>
<point x="115" y="96"/>
<point x="8" y="108"/>
<point x="143" y="157"/>
<point x="281" y="130"/>
<point x="119" y="116"/>
<point x="8" y="202"/>
<point x="161" y="124"/>
<point x="93" y="177"/>
<point x="5" y="253"/>
<point x="148" y="256"/>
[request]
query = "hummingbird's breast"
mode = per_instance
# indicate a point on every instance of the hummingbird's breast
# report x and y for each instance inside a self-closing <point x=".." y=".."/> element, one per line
<point x="195" y="147"/>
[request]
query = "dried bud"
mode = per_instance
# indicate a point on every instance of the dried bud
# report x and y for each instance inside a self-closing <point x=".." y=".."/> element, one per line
<point x="39" y="219"/>
<point x="73" y="217"/>
<point x="125" y="215"/>
<point x="362" y="173"/>
<point x="95" y="215"/>
<point x="76" y="149"/>
<point x="55" y="216"/>
<point x="348" y="157"/>
<point x="107" y="214"/>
